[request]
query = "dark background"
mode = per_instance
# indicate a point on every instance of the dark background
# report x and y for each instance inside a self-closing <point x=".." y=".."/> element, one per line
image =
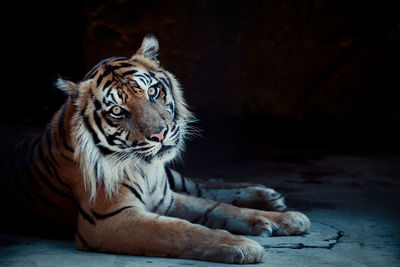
<point x="304" y="73"/>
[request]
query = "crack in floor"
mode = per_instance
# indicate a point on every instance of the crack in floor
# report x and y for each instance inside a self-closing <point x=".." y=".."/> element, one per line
<point x="334" y="241"/>
<point x="337" y="239"/>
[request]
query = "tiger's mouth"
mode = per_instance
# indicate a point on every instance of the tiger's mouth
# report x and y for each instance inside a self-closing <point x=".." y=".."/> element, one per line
<point x="164" y="149"/>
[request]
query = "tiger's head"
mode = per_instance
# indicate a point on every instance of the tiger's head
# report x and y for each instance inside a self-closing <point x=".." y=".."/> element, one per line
<point x="129" y="114"/>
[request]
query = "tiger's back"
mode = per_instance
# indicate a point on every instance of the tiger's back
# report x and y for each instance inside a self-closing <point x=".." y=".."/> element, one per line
<point x="38" y="201"/>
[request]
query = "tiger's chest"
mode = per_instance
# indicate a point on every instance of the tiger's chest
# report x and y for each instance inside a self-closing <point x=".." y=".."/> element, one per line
<point x="157" y="194"/>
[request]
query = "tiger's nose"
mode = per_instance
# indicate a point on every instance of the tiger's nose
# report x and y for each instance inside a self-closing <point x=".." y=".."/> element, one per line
<point x="159" y="134"/>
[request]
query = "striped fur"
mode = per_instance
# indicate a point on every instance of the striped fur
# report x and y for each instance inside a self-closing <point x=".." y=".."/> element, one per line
<point x="98" y="167"/>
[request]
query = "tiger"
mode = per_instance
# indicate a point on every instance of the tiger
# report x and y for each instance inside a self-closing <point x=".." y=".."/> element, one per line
<point x="102" y="167"/>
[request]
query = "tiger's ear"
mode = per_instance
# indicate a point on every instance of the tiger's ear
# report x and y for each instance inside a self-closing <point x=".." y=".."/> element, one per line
<point x="68" y="87"/>
<point x="149" y="48"/>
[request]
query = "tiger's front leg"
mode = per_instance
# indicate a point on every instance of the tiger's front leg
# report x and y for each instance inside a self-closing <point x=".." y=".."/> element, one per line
<point x="245" y="221"/>
<point x="124" y="226"/>
<point x="246" y="195"/>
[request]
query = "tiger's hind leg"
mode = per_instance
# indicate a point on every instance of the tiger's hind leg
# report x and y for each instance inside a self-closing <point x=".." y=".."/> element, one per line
<point x="246" y="195"/>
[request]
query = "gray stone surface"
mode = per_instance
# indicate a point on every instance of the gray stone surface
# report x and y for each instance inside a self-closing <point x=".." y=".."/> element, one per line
<point x="313" y="249"/>
<point x="352" y="200"/>
<point x="22" y="251"/>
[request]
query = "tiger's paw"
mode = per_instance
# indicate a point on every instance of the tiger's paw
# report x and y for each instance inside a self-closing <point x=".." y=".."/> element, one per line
<point x="262" y="198"/>
<point x="278" y="223"/>
<point x="244" y="251"/>
<point x="229" y="248"/>
<point x="292" y="223"/>
<point x="262" y="226"/>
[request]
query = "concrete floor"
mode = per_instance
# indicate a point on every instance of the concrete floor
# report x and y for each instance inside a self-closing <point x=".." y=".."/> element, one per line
<point x="351" y="198"/>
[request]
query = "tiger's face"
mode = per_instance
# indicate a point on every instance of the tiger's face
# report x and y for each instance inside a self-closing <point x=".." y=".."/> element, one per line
<point x="131" y="107"/>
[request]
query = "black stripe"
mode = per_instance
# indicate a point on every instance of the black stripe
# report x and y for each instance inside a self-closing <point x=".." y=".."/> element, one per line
<point x="171" y="107"/>
<point x="208" y="212"/>
<point x="169" y="81"/>
<point x="170" y="178"/>
<point x="113" y="98"/>
<point x="175" y="133"/>
<point x="83" y="241"/>
<point x="55" y="172"/>
<point x="99" y="80"/>
<point x="129" y="72"/>
<point x="97" y="104"/>
<point x="61" y="129"/>
<point x="96" y="139"/>
<point x="95" y="69"/>
<point x="56" y="141"/>
<point x="156" y="206"/>
<point x="110" y="69"/>
<point x="164" y="81"/>
<point x="165" y="186"/>
<point x="43" y="199"/>
<point x="107" y="215"/>
<point x="183" y="183"/>
<point x="91" y="75"/>
<point x="147" y="181"/>
<point x="35" y="143"/>
<point x="65" y="157"/>
<point x="133" y="190"/>
<point x="106" y="85"/>
<point x="104" y="150"/>
<point x="98" y="177"/>
<point x="142" y="174"/>
<point x="107" y="94"/>
<point x="137" y="185"/>
<point x="43" y="159"/>
<point x="170" y="205"/>
<point x="123" y="65"/>
<point x="203" y="219"/>
<point x="198" y="190"/>
<point x="223" y="226"/>
<point x="47" y="165"/>
<point x="153" y="189"/>
<point x="50" y="144"/>
<point x="97" y="120"/>
<point x="147" y="76"/>
<point x="108" y="121"/>
<point x="86" y="216"/>
<point x="50" y="185"/>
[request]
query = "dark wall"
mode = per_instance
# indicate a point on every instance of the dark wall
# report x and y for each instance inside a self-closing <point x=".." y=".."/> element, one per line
<point x="296" y="62"/>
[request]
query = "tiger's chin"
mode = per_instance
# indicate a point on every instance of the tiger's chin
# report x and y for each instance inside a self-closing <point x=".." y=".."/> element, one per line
<point x="165" y="154"/>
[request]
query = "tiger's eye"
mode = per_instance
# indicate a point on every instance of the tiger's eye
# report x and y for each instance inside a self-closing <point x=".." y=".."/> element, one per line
<point x="151" y="91"/>
<point x="116" y="110"/>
